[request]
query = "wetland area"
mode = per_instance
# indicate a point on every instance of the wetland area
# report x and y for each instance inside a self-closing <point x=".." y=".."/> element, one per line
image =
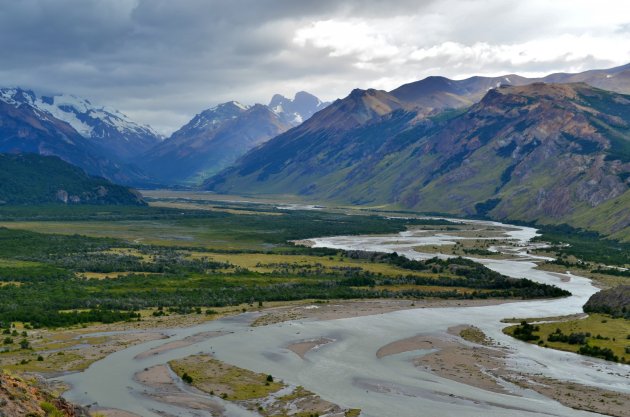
<point x="370" y="334"/>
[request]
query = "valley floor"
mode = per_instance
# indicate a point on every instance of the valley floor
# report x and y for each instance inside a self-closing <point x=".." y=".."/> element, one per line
<point x="477" y="361"/>
<point x="240" y="250"/>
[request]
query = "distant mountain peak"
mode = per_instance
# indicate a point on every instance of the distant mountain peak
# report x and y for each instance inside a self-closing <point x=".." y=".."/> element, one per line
<point x="304" y="99"/>
<point x="212" y="140"/>
<point x="277" y="100"/>
<point x="230" y="105"/>
<point x="212" y="118"/>
<point x="305" y="94"/>
<point x="16" y="95"/>
<point x="107" y="127"/>
<point x="73" y="110"/>
<point x="218" y="136"/>
<point x="297" y="110"/>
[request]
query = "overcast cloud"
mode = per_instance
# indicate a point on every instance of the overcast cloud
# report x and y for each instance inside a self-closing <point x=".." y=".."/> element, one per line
<point x="163" y="61"/>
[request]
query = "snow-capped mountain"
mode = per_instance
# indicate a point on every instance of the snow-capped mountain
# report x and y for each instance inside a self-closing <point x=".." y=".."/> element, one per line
<point x="298" y="110"/>
<point x="106" y="127"/>
<point x="211" y="141"/>
<point x="31" y="124"/>
<point x="212" y="119"/>
<point x="215" y="138"/>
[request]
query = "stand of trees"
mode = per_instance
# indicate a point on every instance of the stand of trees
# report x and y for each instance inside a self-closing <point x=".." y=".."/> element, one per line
<point x="44" y="284"/>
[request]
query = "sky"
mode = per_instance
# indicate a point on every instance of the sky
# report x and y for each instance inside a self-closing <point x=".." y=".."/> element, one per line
<point x="163" y="61"/>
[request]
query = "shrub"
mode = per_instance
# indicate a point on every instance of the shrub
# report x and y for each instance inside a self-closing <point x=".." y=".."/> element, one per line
<point x="51" y="410"/>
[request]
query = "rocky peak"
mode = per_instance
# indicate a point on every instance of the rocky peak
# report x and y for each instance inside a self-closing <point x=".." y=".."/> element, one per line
<point x="298" y="110"/>
<point x="107" y="127"/>
<point x="278" y="100"/>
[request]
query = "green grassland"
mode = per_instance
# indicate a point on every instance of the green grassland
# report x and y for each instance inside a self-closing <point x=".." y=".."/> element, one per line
<point x="70" y="266"/>
<point x="584" y="246"/>
<point x="54" y="262"/>
<point x="597" y="335"/>
<point x="601" y="259"/>
<point x="251" y="228"/>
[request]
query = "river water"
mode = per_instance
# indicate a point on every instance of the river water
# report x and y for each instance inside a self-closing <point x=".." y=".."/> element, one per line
<point x="347" y="372"/>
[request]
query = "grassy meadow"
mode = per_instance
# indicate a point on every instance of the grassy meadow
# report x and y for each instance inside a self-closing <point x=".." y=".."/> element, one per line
<point x="68" y="267"/>
<point x="597" y="335"/>
<point x="64" y="266"/>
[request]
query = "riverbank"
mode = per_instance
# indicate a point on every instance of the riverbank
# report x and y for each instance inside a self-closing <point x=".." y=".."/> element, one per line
<point x="481" y="362"/>
<point x="340" y="309"/>
<point x="74" y="349"/>
<point x="360" y="355"/>
<point x="485" y="365"/>
<point x="477" y="361"/>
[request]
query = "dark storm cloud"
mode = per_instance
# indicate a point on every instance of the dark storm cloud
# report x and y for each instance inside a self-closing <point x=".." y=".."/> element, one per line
<point x="162" y="61"/>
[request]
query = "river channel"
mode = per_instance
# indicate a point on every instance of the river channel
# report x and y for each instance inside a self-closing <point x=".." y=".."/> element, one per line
<point x="348" y="372"/>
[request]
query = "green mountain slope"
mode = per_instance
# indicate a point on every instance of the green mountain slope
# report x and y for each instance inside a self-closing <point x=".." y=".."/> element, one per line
<point x="36" y="179"/>
<point x="543" y="152"/>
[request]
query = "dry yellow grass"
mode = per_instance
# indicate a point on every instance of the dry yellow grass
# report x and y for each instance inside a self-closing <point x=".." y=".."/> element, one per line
<point x="254" y="391"/>
<point x="261" y="262"/>
<point x="208" y="207"/>
<point x="111" y="275"/>
<point x="225" y="380"/>
<point x="5" y="283"/>
<point x="614" y="333"/>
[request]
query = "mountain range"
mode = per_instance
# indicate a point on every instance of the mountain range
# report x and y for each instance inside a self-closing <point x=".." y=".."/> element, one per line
<point x="215" y="138"/>
<point x="534" y="151"/>
<point x="97" y="139"/>
<point x="106" y="143"/>
<point x="440" y="92"/>
<point x="551" y="149"/>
